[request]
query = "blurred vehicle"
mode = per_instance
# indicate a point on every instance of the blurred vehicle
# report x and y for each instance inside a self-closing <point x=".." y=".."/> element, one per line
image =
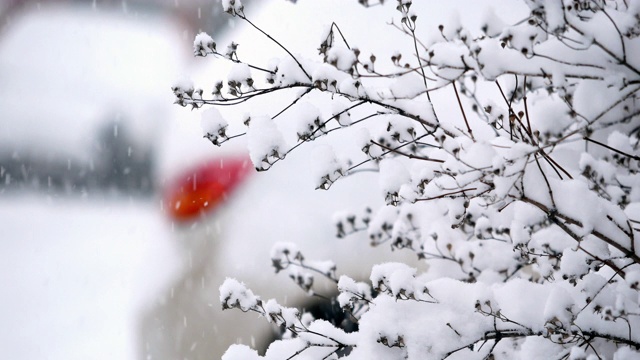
<point x="84" y="107"/>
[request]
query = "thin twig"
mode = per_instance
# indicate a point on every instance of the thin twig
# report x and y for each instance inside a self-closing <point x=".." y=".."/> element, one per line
<point x="241" y="16"/>
<point x="455" y="89"/>
<point x="410" y="156"/>
<point x="612" y="149"/>
<point x="445" y="195"/>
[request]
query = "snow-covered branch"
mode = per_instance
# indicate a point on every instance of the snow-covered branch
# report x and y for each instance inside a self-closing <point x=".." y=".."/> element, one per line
<point x="508" y="160"/>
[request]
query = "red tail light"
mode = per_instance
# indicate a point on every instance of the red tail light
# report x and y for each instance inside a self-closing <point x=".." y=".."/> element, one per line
<point x="204" y="188"/>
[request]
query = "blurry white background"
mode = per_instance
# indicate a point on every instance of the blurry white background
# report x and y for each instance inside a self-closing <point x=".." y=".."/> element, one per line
<point x="85" y="104"/>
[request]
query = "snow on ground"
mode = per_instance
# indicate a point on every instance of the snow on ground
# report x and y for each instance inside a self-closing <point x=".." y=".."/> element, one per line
<point x="75" y="273"/>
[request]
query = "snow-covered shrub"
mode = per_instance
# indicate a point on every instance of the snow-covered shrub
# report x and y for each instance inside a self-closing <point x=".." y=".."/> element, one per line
<point x="520" y="190"/>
